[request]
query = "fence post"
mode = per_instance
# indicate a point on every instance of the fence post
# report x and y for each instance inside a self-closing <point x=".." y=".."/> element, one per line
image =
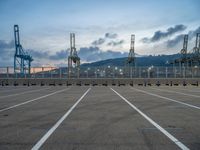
<point x="175" y="72"/>
<point x="34" y="72"/>
<point x="15" y="74"/>
<point x="42" y="72"/>
<point x="139" y="72"/>
<point x="166" y="72"/>
<point x="7" y="72"/>
<point x="131" y="72"/>
<point x="60" y="71"/>
<point x="157" y="70"/>
<point x="192" y="72"/>
<point x="95" y="72"/>
<point x="51" y="72"/>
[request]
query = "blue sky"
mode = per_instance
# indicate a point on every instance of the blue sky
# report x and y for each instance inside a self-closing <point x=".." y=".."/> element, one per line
<point x="45" y="26"/>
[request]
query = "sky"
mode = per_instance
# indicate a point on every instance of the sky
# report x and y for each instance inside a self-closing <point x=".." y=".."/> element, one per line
<point x="103" y="28"/>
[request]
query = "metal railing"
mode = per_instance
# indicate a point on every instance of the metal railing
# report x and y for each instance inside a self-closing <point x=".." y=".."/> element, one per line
<point x="105" y="72"/>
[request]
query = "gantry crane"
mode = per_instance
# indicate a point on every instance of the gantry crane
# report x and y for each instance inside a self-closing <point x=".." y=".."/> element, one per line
<point x="189" y="58"/>
<point x="22" y="61"/>
<point x="184" y="59"/>
<point x="73" y="59"/>
<point x="196" y="49"/>
<point x="131" y="56"/>
<point x="195" y="57"/>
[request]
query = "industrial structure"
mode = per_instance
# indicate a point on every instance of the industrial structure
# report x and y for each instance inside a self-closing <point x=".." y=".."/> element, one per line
<point x="73" y="59"/>
<point x="196" y="51"/>
<point x="22" y="60"/>
<point x="183" y="60"/>
<point x="192" y="58"/>
<point x="131" y="56"/>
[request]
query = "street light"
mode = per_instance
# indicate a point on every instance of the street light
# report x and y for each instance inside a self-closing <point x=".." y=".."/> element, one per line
<point x="114" y="69"/>
<point x="88" y="72"/>
<point x="149" y="69"/>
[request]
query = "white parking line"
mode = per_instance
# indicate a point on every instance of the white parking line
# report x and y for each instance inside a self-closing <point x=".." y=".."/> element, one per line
<point x="187" y="89"/>
<point x="171" y="137"/>
<point x="26" y="102"/>
<point x="23" y="93"/>
<point x="169" y="99"/>
<point x="50" y="131"/>
<point x="8" y="89"/>
<point x="196" y="96"/>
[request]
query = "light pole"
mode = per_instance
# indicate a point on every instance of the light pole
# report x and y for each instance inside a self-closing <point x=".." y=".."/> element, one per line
<point x="88" y="72"/>
<point x="114" y="69"/>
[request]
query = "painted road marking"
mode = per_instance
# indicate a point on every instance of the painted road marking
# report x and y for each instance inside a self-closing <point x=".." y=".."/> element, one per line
<point x="166" y="98"/>
<point x="8" y="89"/>
<point x="50" y="131"/>
<point x="197" y="96"/>
<point x="32" y="100"/>
<point x="194" y="89"/>
<point x="23" y="93"/>
<point x="171" y="137"/>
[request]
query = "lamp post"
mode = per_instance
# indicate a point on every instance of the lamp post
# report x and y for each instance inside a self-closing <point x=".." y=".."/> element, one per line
<point x="114" y="69"/>
<point x="88" y="72"/>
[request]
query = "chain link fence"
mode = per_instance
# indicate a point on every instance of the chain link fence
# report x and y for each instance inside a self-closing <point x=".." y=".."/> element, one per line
<point x="104" y="72"/>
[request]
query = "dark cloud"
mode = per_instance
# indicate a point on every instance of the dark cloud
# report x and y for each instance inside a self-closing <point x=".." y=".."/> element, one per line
<point x="102" y="40"/>
<point x="158" y="35"/>
<point x="193" y="33"/>
<point x="59" y="55"/>
<point x="90" y="54"/>
<point x="175" y="41"/>
<point x="179" y="38"/>
<point x="5" y="45"/>
<point x="111" y="35"/>
<point x="115" y="43"/>
<point x="39" y="54"/>
<point x="87" y="54"/>
<point x="6" y="53"/>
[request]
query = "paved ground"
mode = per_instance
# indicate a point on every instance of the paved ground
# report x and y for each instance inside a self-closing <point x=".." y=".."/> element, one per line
<point x="100" y="118"/>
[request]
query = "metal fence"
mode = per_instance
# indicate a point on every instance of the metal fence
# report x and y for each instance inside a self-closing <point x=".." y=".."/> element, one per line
<point x="105" y="72"/>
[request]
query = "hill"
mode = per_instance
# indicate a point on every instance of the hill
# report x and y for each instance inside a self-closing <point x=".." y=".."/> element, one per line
<point x="159" y="60"/>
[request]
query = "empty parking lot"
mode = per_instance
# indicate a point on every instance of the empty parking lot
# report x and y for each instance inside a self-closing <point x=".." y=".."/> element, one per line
<point x="100" y="117"/>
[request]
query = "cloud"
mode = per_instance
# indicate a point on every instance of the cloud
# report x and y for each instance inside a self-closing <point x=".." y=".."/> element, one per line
<point x="111" y="35"/>
<point x="158" y="35"/>
<point x="6" y="45"/>
<point x="6" y="53"/>
<point x="38" y="53"/>
<point x="115" y="43"/>
<point x="102" y="40"/>
<point x="175" y="41"/>
<point x="90" y="54"/>
<point x="59" y="55"/>
<point x="63" y="54"/>
<point x="193" y="33"/>
<point x="87" y="54"/>
<point x="179" y="38"/>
